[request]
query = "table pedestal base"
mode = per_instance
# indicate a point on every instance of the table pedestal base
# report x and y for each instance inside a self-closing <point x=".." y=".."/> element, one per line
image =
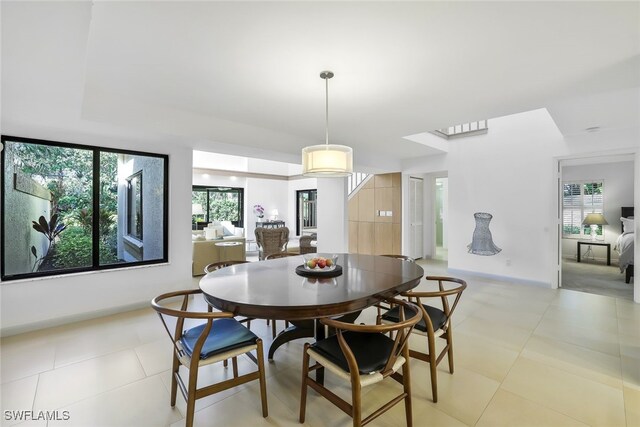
<point x="305" y="329"/>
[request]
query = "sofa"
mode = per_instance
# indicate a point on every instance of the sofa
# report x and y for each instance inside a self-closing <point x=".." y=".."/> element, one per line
<point x="205" y="251"/>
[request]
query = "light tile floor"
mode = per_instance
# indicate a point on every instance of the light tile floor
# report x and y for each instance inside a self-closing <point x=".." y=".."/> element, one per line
<point x="525" y="356"/>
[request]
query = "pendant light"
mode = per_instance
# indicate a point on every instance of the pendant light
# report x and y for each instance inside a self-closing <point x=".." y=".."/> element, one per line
<point x="327" y="160"/>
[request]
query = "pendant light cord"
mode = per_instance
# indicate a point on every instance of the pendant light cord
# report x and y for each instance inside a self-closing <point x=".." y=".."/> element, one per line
<point x="326" y="81"/>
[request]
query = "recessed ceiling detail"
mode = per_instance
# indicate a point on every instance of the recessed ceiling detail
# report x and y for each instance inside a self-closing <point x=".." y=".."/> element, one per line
<point x="465" y="129"/>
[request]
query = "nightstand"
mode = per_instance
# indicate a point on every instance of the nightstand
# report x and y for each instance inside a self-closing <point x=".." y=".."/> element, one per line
<point x="595" y="243"/>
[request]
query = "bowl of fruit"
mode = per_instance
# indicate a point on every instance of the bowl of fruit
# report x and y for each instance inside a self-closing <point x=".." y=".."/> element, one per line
<point x="320" y="262"/>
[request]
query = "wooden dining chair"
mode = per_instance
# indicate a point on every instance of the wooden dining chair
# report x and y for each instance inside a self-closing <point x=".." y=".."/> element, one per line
<point x="219" y="338"/>
<point x="276" y="256"/>
<point x="382" y="305"/>
<point x="402" y="257"/>
<point x="435" y="323"/>
<point x="215" y="266"/>
<point x="280" y="255"/>
<point x="221" y="264"/>
<point x="362" y="355"/>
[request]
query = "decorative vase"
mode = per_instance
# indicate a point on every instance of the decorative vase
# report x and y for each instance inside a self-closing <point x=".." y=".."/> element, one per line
<point x="482" y="242"/>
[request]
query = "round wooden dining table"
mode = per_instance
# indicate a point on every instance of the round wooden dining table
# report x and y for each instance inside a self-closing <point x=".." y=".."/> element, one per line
<point x="273" y="290"/>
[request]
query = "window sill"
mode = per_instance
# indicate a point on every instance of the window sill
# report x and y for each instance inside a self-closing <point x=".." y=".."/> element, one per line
<point x="84" y="273"/>
<point x="133" y="241"/>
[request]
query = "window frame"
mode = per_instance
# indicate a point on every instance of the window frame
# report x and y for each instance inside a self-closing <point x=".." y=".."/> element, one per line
<point x="131" y="205"/>
<point x="312" y="193"/>
<point x="96" y="150"/>
<point x="584" y="208"/>
<point x="208" y="188"/>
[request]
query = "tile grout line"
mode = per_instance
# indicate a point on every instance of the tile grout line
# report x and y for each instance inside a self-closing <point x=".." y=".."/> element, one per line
<point x="565" y="371"/>
<point x="511" y="367"/>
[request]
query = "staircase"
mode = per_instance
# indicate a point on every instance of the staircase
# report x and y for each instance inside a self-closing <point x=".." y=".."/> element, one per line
<point x="356" y="180"/>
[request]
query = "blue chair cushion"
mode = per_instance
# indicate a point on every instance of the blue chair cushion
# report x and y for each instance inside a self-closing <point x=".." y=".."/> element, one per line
<point x="437" y="316"/>
<point x="371" y="350"/>
<point x="225" y="335"/>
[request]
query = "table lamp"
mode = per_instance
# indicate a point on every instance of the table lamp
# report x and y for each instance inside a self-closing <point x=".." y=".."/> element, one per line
<point x="196" y="209"/>
<point x="274" y="214"/>
<point x="594" y="220"/>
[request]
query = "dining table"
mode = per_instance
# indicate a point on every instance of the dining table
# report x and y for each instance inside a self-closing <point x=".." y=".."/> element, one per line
<point x="283" y="289"/>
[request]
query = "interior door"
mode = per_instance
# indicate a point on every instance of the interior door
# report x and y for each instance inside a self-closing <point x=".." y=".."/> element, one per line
<point x="416" y="234"/>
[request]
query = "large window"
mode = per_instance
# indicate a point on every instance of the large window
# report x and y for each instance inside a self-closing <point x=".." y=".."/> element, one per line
<point x="578" y="200"/>
<point x="217" y="204"/>
<point x="69" y="208"/>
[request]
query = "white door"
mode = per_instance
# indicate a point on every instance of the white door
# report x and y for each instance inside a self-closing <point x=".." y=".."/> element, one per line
<point x="415" y="217"/>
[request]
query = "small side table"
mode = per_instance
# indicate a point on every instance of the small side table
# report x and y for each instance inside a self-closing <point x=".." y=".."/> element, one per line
<point x="223" y="248"/>
<point x="595" y="243"/>
<point x="250" y="242"/>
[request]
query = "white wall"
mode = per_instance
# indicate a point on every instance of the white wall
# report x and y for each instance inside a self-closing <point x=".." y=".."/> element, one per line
<point x="44" y="302"/>
<point x="636" y="287"/>
<point x="271" y="194"/>
<point x="218" y="180"/>
<point x="618" y="192"/>
<point x="509" y="172"/>
<point x="333" y="231"/>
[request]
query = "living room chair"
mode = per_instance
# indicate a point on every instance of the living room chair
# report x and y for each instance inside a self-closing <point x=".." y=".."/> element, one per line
<point x="435" y="323"/>
<point x="362" y="355"/>
<point x="219" y="338"/>
<point x="271" y="240"/>
<point x="305" y="244"/>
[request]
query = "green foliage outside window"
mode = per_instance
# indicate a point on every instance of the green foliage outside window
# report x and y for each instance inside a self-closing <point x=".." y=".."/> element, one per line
<point x="223" y="208"/>
<point x="580" y="199"/>
<point x="68" y="174"/>
<point x="223" y="204"/>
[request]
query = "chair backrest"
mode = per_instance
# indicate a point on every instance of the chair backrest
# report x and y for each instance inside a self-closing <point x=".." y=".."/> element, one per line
<point x="280" y="255"/>
<point x="218" y="265"/>
<point x="158" y="304"/>
<point x="410" y="315"/>
<point x="305" y="244"/>
<point x="271" y="240"/>
<point x="444" y="293"/>
<point x="402" y="257"/>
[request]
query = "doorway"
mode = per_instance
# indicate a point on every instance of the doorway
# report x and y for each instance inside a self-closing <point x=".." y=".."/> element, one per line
<point x="416" y="234"/>
<point x="441" y="213"/>
<point x="593" y="193"/>
<point x="306" y="212"/>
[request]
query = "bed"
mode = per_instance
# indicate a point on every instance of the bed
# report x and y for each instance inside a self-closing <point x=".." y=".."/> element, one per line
<point x="624" y="244"/>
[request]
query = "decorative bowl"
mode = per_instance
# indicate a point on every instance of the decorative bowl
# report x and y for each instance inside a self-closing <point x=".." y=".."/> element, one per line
<point x="320" y="262"/>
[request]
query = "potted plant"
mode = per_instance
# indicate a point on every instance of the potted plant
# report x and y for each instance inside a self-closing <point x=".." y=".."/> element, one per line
<point x="258" y="211"/>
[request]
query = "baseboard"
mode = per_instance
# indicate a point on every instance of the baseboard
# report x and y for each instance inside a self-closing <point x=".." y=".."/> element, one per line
<point x="59" y="321"/>
<point x="499" y="278"/>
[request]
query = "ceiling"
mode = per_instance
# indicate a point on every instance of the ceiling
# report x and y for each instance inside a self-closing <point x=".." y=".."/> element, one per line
<point x="243" y="77"/>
